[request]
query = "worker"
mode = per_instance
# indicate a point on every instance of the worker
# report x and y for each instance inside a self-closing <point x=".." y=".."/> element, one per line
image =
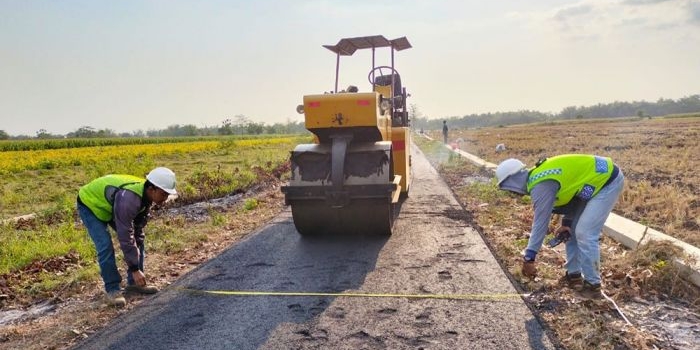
<point x="444" y="131"/>
<point x="123" y="202"/>
<point x="585" y="189"/>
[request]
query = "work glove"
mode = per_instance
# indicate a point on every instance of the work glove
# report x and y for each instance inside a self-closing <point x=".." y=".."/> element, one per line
<point x="529" y="269"/>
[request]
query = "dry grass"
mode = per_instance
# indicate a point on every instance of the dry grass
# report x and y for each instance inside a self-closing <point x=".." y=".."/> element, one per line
<point x="632" y="278"/>
<point x="659" y="158"/>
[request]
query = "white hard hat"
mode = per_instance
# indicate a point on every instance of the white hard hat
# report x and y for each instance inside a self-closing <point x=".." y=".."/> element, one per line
<point x="507" y="168"/>
<point x="163" y="178"/>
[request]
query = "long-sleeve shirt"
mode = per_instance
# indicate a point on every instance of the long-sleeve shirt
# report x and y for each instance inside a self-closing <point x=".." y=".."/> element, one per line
<point x="543" y="197"/>
<point x="129" y="223"/>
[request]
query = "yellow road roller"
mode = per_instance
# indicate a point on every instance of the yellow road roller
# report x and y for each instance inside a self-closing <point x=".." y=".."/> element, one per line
<point x="349" y="180"/>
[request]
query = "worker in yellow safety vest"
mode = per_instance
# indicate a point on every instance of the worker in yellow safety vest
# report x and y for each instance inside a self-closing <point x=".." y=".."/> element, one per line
<point x="585" y="189"/>
<point x="122" y="202"/>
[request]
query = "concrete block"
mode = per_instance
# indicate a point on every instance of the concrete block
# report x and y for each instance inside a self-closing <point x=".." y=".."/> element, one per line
<point x="624" y="230"/>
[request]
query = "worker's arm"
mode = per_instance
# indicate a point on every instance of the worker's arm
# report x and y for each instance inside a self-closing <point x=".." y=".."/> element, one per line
<point x="139" y="223"/>
<point x="126" y="208"/>
<point x="543" y="196"/>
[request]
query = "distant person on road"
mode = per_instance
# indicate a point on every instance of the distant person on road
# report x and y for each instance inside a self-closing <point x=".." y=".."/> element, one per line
<point x="444" y="131"/>
<point x="122" y="202"/>
<point x="585" y="189"/>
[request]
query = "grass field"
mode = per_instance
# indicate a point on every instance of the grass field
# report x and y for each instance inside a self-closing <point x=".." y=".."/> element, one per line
<point x="204" y="169"/>
<point x="659" y="157"/>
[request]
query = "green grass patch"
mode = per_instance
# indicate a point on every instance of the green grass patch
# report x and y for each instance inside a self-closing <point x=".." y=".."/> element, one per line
<point x="19" y="248"/>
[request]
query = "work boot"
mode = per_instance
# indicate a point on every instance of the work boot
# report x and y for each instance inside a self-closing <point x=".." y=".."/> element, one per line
<point x="572" y="280"/>
<point x="590" y="291"/>
<point x="133" y="288"/>
<point x="115" y="298"/>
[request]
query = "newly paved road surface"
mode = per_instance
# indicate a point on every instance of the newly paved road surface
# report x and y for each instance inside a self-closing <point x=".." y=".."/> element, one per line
<point x="433" y="251"/>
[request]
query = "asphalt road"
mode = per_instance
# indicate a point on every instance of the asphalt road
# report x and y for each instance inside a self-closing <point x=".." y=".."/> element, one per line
<point x="433" y="251"/>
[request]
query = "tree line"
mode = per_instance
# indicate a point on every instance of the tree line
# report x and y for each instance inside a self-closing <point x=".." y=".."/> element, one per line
<point x="238" y="125"/>
<point x="617" y="109"/>
<point x="242" y="125"/>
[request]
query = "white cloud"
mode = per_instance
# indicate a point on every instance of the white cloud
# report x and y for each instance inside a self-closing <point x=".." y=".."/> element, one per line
<point x="596" y="19"/>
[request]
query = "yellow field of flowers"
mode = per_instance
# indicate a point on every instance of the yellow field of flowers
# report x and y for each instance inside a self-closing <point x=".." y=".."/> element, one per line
<point x="16" y="161"/>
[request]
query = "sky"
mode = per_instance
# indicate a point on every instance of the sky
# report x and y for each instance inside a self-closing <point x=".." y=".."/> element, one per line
<point x="132" y="65"/>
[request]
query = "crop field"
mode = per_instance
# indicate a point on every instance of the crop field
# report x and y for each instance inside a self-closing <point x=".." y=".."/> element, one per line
<point x="42" y="177"/>
<point x="660" y="158"/>
<point x="45" y="182"/>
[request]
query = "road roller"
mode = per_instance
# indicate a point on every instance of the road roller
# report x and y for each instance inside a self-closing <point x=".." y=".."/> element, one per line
<point x="350" y="179"/>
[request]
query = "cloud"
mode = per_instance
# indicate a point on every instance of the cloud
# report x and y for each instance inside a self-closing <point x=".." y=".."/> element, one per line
<point x="643" y="2"/>
<point x="595" y="19"/>
<point x="694" y="12"/>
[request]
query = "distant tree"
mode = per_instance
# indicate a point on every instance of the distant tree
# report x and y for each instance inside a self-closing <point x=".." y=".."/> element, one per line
<point x="83" y="132"/>
<point x="4" y="135"/>
<point x="43" y="134"/>
<point x="226" y="127"/>
<point x="189" y="130"/>
<point x="254" y="128"/>
<point x="106" y="133"/>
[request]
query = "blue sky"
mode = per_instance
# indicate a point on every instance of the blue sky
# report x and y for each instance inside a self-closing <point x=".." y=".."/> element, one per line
<point x="128" y="65"/>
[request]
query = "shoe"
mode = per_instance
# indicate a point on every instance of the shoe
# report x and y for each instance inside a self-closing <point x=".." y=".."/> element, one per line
<point x="132" y="288"/>
<point x="590" y="291"/>
<point x="115" y="298"/>
<point x="572" y="280"/>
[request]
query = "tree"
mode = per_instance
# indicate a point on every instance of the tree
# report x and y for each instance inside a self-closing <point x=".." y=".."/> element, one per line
<point x="83" y="132"/>
<point x="43" y="134"/>
<point x="4" y="135"/>
<point x="226" y="127"/>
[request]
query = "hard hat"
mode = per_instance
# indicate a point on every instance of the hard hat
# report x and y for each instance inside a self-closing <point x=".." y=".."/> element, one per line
<point x="163" y="178"/>
<point x="507" y="168"/>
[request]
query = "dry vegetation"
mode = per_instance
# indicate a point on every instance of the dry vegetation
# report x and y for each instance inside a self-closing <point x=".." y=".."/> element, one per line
<point x="660" y="158"/>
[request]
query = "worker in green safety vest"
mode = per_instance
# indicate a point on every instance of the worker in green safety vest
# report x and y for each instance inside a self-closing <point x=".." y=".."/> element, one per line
<point x="122" y="202"/>
<point x="585" y="189"/>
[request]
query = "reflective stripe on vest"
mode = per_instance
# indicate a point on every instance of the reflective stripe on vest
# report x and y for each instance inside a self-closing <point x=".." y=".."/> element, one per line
<point x="578" y="175"/>
<point x="98" y="195"/>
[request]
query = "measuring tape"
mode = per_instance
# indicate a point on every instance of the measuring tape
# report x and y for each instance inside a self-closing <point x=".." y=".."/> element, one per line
<point x="478" y="297"/>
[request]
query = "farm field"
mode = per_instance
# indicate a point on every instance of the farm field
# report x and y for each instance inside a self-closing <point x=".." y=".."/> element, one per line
<point x="660" y="303"/>
<point x="659" y="158"/>
<point x="44" y="177"/>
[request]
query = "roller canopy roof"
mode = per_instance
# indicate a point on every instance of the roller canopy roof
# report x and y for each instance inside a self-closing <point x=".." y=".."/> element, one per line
<point x="348" y="46"/>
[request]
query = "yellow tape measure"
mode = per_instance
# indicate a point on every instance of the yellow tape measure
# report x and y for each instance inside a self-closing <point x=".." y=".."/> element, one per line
<point x="362" y="295"/>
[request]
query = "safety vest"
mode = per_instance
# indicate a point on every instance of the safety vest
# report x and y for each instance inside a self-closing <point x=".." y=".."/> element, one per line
<point x="578" y="175"/>
<point x="98" y="195"/>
